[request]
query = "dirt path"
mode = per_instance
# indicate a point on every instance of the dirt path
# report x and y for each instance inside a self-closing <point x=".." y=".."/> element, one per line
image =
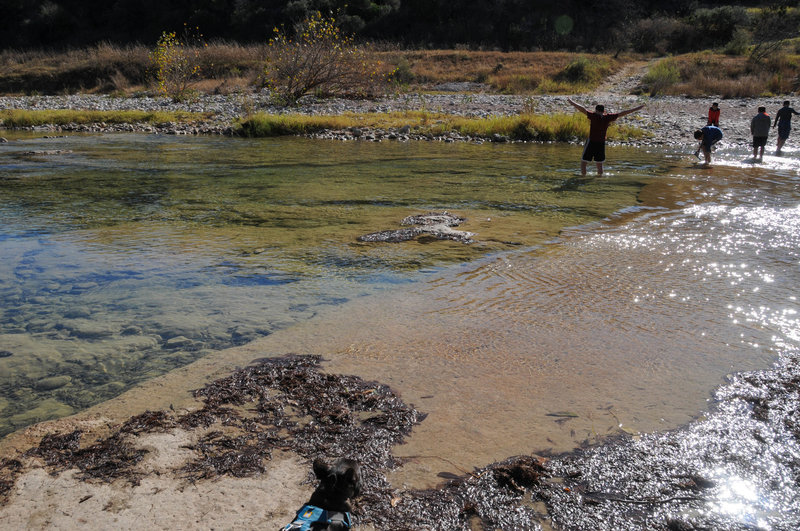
<point x="625" y="81"/>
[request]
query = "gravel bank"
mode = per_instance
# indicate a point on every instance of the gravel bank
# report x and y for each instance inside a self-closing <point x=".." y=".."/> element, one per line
<point x="670" y="119"/>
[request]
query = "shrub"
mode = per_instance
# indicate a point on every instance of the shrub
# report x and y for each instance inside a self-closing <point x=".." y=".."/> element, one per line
<point x="739" y="43"/>
<point x="583" y="72"/>
<point x="321" y="59"/>
<point x="403" y="73"/>
<point x="661" y="34"/>
<point x="772" y="27"/>
<point x="717" y="25"/>
<point x="661" y="76"/>
<point x="577" y="71"/>
<point x="176" y="61"/>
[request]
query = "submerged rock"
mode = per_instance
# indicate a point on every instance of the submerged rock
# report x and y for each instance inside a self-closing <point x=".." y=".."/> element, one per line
<point x="47" y="409"/>
<point x="436" y="224"/>
<point x="52" y="383"/>
<point x="47" y="152"/>
<point x="178" y="342"/>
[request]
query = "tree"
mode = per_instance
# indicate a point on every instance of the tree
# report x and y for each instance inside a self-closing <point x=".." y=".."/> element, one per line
<point x="319" y="56"/>
<point x="773" y="26"/>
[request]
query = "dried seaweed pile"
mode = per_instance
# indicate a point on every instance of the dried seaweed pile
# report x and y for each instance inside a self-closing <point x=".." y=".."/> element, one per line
<point x="673" y="481"/>
<point x="276" y="403"/>
<point x="288" y="403"/>
<point x="107" y="459"/>
<point x="491" y="498"/>
<point x="297" y="407"/>
<point x="9" y="470"/>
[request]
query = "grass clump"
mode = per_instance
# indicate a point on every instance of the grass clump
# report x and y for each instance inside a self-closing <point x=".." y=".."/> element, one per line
<point x="11" y="118"/>
<point x="266" y="125"/>
<point x="663" y="75"/>
<point x="531" y="127"/>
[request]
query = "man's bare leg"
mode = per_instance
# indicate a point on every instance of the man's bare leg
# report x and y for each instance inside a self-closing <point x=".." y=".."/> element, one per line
<point x="583" y="167"/>
<point x="599" y="168"/>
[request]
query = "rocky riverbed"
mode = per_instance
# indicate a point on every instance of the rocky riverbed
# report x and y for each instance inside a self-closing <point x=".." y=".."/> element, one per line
<point x="669" y="120"/>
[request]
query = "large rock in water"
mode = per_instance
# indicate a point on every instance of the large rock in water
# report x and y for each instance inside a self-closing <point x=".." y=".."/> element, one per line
<point x="437" y="224"/>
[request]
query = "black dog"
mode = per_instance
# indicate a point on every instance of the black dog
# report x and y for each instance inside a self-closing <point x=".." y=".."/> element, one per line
<point x="328" y="508"/>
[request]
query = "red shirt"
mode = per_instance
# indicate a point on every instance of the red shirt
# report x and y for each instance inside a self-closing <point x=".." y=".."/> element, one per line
<point x="599" y="125"/>
<point x="713" y="116"/>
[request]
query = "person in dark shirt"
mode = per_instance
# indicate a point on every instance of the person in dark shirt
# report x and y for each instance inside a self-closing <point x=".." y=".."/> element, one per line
<point x="759" y="127"/>
<point x="783" y="119"/>
<point x="708" y="136"/>
<point x="599" y="120"/>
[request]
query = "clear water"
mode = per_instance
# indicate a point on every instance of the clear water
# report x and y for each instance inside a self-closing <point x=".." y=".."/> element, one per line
<point x="125" y="256"/>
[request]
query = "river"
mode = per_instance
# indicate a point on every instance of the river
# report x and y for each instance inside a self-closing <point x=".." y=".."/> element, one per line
<point x="586" y="307"/>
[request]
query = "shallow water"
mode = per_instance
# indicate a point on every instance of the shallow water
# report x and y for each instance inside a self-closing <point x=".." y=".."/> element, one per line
<point x="620" y="326"/>
<point x="125" y="256"/>
<point x="587" y="307"/>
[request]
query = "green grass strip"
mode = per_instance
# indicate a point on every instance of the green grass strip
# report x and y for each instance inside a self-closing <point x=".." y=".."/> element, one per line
<point x="11" y="118"/>
<point x="542" y="128"/>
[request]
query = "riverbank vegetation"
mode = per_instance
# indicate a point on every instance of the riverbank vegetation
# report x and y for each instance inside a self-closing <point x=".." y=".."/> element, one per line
<point x="226" y="68"/>
<point x="704" y="73"/>
<point x="18" y="118"/>
<point x="230" y="68"/>
<point x="526" y="126"/>
<point x="334" y="48"/>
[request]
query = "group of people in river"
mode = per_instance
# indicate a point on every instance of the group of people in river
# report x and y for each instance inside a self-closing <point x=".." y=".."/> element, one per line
<point x="759" y="128"/>
<point x="708" y="136"/>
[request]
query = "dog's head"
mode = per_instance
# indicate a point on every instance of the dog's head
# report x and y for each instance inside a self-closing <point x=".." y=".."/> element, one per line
<point x="337" y="484"/>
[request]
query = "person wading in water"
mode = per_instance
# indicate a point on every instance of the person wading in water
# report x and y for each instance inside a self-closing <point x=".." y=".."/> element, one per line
<point x="599" y="121"/>
<point x="783" y="119"/>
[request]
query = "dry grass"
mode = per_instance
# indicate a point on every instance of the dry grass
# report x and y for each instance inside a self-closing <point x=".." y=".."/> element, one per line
<point x="511" y="72"/>
<point x="227" y="67"/>
<point x="231" y="67"/>
<point x="727" y="76"/>
<point x="125" y="69"/>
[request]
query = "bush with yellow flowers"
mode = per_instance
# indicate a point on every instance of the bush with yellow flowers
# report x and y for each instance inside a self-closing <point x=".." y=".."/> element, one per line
<point x="319" y="58"/>
<point x="176" y="62"/>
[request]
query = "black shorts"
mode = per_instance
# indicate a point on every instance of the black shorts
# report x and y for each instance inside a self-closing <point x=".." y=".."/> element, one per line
<point x="784" y="126"/>
<point x="594" y="151"/>
<point x="759" y="141"/>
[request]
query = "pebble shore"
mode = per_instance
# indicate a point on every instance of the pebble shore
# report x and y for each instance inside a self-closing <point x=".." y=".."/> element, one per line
<point x="669" y="120"/>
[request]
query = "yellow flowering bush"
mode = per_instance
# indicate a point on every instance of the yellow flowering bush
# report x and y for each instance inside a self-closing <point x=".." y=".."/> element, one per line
<point x="176" y="62"/>
<point x="319" y="58"/>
